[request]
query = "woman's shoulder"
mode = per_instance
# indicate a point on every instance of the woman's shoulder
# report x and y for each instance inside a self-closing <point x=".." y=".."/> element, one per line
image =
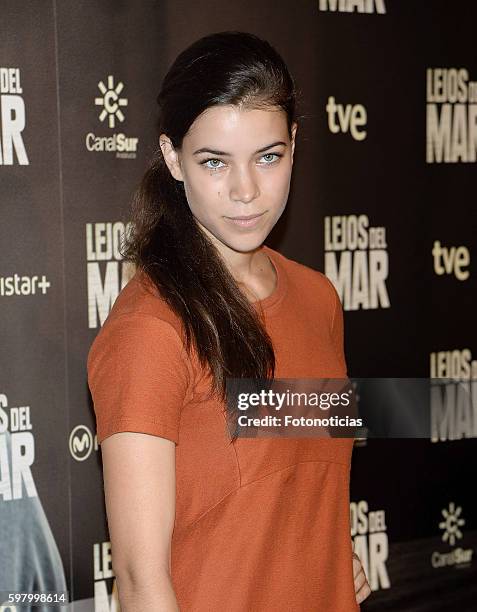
<point x="140" y="298"/>
<point x="142" y="329"/>
<point x="139" y="315"/>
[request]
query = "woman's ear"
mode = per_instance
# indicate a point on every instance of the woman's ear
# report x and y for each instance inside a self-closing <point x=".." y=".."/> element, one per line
<point x="171" y="157"/>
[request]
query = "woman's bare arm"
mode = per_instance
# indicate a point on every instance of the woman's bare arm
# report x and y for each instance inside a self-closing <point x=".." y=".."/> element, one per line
<point x="139" y="487"/>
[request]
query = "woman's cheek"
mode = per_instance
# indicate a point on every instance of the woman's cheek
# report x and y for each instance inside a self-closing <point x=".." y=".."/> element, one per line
<point x="199" y="187"/>
<point x="210" y="184"/>
<point x="278" y="183"/>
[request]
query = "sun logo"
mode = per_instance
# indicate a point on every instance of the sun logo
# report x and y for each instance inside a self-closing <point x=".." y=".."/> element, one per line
<point x="451" y="523"/>
<point x="111" y="101"/>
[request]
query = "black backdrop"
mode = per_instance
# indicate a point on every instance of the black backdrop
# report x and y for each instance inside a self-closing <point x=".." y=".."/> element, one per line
<point x="381" y="142"/>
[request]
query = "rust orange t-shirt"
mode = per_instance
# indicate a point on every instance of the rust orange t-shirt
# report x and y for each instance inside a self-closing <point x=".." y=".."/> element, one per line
<point x="263" y="524"/>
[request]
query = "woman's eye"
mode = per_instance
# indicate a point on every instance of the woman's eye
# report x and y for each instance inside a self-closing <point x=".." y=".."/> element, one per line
<point x="270" y="161"/>
<point x="213" y="167"/>
<point x="213" y="164"/>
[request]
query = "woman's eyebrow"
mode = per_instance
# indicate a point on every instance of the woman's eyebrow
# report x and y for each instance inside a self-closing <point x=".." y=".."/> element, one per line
<point x="214" y="152"/>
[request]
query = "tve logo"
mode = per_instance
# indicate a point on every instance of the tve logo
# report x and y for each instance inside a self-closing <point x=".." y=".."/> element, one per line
<point x="347" y="118"/>
<point x="12" y="118"/>
<point x="451" y="260"/>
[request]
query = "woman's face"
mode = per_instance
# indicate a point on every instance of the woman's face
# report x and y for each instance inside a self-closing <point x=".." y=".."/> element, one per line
<point x="235" y="163"/>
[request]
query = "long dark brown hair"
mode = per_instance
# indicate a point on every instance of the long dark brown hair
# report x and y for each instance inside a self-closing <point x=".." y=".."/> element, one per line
<point x="164" y="240"/>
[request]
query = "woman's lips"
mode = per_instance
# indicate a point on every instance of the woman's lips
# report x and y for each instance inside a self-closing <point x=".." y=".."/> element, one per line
<point x="250" y="222"/>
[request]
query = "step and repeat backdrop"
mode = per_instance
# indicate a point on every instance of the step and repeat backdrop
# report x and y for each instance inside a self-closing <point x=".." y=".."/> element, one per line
<point x="382" y="202"/>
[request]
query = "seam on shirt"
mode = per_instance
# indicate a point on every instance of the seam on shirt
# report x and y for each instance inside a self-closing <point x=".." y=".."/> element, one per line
<point x="137" y="422"/>
<point x="237" y="462"/>
<point x="194" y="523"/>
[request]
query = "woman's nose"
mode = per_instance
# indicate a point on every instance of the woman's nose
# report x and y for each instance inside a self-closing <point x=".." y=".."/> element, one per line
<point x="244" y="186"/>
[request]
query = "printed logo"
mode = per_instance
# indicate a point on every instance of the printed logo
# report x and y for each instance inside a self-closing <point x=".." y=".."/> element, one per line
<point x="356" y="261"/>
<point x="81" y="443"/>
<point x="451" y="523"/>
<point x="111" y="101"/>
<point x="346" y="119"/>
<point x="17" y="452"/>
<point x="102" y="575"/>
<point x="453" y="395"/>
<point x="450" y="526"/>
<point x="451" y="116"/>
<point x="451" y="260"/>
<point x="23" y="285"/>
<point x="107" y="273"/>
<point x="370" y="543"/>
<point x="12" y="119"/>
<point x="349" y="6"/>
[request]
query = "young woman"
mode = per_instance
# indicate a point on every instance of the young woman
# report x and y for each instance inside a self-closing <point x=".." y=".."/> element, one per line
<point x="201" y="521"/>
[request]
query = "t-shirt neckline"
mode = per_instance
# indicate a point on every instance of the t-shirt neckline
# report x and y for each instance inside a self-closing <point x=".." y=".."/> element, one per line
<point x="276" y="296"/>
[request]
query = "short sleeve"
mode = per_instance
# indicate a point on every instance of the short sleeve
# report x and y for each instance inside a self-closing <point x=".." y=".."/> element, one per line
<point x="337" y="330"/>
<point x="138" y="377"/>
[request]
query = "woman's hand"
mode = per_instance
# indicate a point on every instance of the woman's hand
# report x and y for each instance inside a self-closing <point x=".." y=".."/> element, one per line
<point x="361" y="585"/>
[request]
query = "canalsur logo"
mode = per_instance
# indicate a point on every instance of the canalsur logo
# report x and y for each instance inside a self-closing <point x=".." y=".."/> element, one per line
<point x="451" y="532"/>
<point x="451" y="523"/>
<point x="110" y="101"/>
<point x="111" y="113"/>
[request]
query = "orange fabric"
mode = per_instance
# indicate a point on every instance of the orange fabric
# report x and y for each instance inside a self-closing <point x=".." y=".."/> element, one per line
<point x="262" y="525"/>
